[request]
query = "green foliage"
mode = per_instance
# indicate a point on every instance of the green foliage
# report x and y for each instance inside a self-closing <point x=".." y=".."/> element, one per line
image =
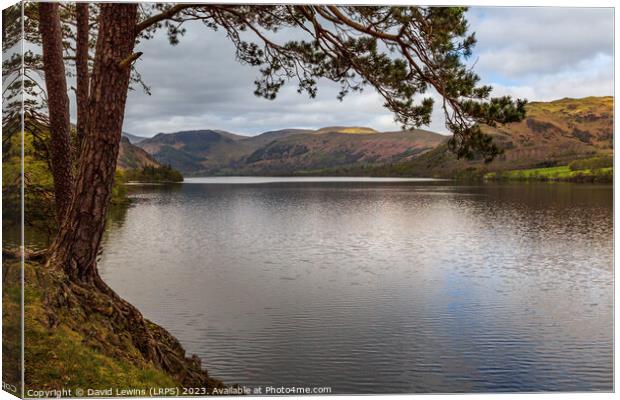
<point x="39" y="206"/>
<point x="563" y="173"/>
<point x="436" y="163"/>
<point x="592" y="163"/>
<point x="476" y="143"/>
<point x="153" y="174"/>
<point x="119" y="190"/>
<point x="20" y="69"/>
<point x="11" y="322"/>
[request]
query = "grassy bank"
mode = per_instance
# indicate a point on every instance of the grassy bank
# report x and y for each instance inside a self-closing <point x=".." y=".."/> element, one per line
<point x="590" y="170"/>
<point x="554" y="174"/>
<point x="72" y="346"/>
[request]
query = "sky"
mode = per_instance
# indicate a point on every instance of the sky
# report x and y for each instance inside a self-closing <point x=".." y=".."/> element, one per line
<point x="537" y="53"/>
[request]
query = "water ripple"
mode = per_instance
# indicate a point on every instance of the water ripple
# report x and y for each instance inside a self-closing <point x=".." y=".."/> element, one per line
<point x="377" y="287"/>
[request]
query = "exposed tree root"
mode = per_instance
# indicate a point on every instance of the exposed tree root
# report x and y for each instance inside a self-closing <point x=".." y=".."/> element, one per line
<point x="94" y="303"/>
<point x="28" y="254"/>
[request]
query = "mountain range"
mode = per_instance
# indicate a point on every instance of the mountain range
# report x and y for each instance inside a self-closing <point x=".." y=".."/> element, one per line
<point x="552" y="133"/>
<point x="284" y="152"/>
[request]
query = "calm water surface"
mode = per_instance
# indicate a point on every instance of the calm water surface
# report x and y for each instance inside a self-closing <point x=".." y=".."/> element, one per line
<point x="369" y="286"/>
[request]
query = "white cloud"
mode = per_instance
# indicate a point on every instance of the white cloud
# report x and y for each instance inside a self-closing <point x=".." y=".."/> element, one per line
<point x="517" y="41"/>
<point x="590" y="78"/>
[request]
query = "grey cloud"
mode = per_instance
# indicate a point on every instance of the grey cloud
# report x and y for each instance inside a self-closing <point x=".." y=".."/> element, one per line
<point x="516" y="41"/>
<point x="593" y="80"/>
<point x="199" y="84"/>
<point x="537" y="53"/>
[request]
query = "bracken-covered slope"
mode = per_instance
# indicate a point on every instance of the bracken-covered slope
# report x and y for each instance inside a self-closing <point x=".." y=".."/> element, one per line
<point x="133" y="157"/>
<point x="553" y="133"/>
<point x="341" y="147"/>
<point x="558" y="130"/>
<point x="286" y="151"/>
<point x="193" y="152"/>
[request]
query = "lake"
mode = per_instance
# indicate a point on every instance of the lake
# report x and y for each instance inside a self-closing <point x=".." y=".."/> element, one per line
<point x="376" y="285"/>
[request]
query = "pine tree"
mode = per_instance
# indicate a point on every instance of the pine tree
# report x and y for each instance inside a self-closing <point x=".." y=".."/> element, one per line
<point x="402" y="52"/>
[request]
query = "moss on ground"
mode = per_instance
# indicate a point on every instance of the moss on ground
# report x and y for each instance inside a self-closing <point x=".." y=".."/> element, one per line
<point x="69" y="351"/>
<point x="11" y="326"/>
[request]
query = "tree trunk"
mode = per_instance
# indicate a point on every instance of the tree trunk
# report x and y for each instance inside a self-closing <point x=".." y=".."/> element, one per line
<point x="75" y="248"/>
<point x="81" y="66"/>
<point x="58" y="106"/>
<point x="76" y="245"/>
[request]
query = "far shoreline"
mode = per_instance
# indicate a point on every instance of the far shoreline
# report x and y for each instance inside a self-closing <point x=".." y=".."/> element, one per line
<point x="231" y="179"/>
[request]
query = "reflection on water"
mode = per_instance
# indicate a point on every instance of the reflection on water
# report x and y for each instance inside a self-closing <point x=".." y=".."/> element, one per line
<point x="230" y="180"/>
<point x="377" y="286"/>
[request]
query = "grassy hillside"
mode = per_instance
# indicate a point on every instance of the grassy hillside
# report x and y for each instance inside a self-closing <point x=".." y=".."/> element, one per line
<point x="196" y="151"/>
<point x="557" y="131"/>
<point x="552" y="134"/>
<point x="135" y="164"/>
<point x="133" y="157"/>
<point x="268" y="137"/>
<point x="351" y="130"/>
<point x="328" y="149"/>
<point x="285" y="151"/>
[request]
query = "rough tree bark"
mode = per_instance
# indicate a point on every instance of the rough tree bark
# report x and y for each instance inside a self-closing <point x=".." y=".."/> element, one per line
<point x="74" y="251"/>
<point x="76" y="245"/>
<point x="81" y="66"/>
<point x="58" y="106"/>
